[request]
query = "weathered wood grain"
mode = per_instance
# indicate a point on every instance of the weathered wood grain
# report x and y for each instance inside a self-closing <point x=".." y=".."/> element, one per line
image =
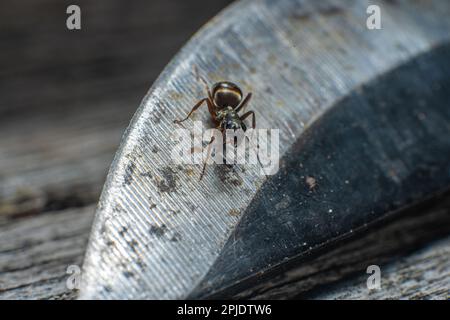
<point x="424" y="274"/>
<point x="36" y="252"/>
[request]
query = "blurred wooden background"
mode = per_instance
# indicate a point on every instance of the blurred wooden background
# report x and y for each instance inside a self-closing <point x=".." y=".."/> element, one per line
<point x="65" y="99"/>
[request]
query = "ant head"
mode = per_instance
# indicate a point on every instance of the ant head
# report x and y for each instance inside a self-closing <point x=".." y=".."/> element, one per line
<point x="226" y="94"/>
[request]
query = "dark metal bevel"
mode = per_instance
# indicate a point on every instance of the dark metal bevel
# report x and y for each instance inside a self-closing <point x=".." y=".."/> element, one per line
<point x="384" y="147"/>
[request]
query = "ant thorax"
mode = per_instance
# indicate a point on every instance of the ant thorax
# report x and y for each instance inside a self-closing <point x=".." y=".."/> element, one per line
<point x="229" y="119"/>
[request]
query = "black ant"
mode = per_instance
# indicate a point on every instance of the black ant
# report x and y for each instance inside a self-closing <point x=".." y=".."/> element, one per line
<point x="224" y="102"/>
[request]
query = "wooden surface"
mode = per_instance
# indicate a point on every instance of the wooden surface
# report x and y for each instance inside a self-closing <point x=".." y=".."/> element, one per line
<point x="66" y="98"/>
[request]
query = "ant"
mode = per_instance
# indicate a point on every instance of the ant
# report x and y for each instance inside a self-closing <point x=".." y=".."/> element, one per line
<point x="224" y="102"/>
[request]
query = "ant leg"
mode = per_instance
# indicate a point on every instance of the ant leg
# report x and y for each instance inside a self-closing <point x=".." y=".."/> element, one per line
<point x="243" y="102"/>
<point x="244" y="116"/>
<point x="197" y="105"/>
<point x="211" y="108"/>
<point x="207" y="157"/>
<point x="211" y="105"/>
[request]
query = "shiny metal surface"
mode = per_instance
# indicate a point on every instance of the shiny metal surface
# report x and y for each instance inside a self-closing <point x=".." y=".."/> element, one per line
<point x="158" y="229"/>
